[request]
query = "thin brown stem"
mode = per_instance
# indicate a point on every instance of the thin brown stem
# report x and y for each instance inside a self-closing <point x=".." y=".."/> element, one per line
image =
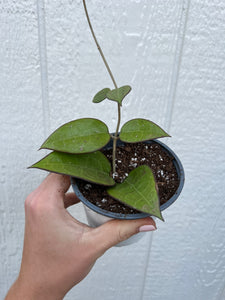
<point x="115" y="137"/>
<point x="98" y="46"/>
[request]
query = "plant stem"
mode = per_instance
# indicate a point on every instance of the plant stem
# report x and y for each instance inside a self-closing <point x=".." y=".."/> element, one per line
<point x="98" y="46"/>
<point x="115" y="137"/>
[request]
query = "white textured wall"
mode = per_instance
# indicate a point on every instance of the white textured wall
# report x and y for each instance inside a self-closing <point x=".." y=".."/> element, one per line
<point x="173" y="54"/>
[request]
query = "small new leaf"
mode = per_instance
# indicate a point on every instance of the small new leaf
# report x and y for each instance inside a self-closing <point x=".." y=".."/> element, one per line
<point x="118" y="94"/>
<point x="139" y="130"/>
<point x="93" y="167"/>
<point x="79" y="136"/>
<point x="139" y="191"/>
<point x="101" y="95"/>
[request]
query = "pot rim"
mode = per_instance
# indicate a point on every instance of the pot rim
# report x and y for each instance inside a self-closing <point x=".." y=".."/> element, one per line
<point x="180" y="173"/>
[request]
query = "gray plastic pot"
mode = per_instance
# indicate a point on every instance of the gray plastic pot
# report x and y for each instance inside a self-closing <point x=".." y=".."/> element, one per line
<point x="96" y="216"/>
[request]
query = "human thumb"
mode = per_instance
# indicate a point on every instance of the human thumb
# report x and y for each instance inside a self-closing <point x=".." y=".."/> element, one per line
<point x="116" y="231"/>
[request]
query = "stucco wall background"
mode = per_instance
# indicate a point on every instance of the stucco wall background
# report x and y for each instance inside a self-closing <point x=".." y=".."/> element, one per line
<point x="172" y="53"/>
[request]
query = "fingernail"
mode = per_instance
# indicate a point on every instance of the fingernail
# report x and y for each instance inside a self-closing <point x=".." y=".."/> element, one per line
<point x="147" y="228"/>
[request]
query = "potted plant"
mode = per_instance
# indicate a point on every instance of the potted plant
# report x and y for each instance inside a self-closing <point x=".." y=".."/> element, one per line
<point x="126" y="174"/>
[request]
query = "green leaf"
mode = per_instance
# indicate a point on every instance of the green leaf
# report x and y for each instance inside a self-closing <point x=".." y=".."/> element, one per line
<point x="139" y="130"/>
<point x="93" y="167"/>
<point x="79" y="136"/>
<point x="139" y="191"/>
<point x="101" y="95"/>
<point x="119" y="93"/>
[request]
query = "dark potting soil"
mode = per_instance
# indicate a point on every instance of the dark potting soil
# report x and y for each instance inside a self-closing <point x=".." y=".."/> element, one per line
<point x="127" y="158"/>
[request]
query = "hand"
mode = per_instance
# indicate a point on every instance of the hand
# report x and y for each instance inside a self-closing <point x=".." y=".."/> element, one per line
<point x="59" y="251"/>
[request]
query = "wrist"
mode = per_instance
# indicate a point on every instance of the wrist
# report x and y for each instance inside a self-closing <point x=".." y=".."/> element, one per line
<point x="22" y="290"/>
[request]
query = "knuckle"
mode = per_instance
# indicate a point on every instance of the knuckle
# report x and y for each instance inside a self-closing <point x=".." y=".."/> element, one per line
<point x="28" y="201"/>
<point x="122" y="235"/>
<point x="34" y="205"/>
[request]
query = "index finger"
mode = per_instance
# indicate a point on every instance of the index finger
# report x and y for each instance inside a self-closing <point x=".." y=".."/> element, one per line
<point x="57" y="183"/>
<point x="53" y="187"/>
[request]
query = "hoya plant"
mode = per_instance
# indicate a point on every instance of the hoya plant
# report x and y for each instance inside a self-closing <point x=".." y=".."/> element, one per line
<point x="77" y="150"/>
